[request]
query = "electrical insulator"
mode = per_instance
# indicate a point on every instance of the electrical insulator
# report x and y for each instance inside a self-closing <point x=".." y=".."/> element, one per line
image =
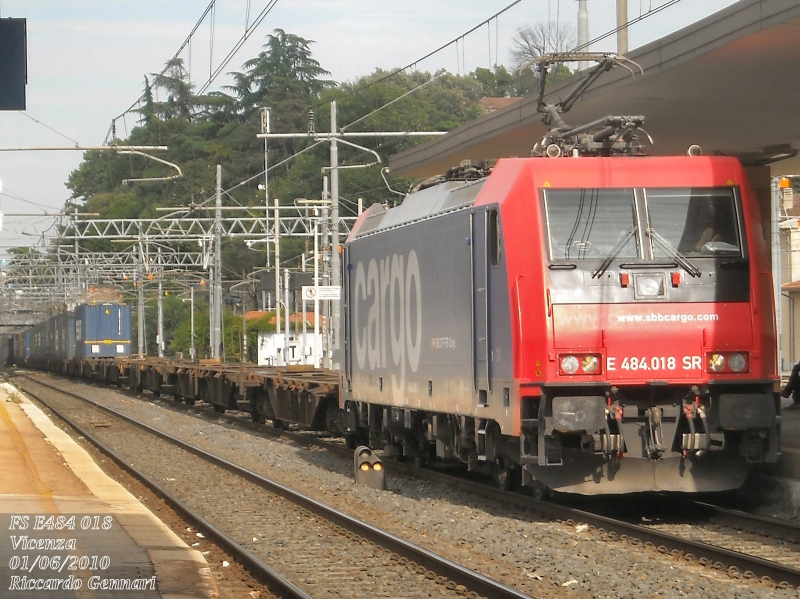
<point x="311" y="129"/>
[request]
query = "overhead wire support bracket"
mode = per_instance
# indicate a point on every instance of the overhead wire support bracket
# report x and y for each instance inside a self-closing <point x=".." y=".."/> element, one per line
<point x="324" y="136"/>
<point x="368" y="150"/>
<point x="150" y="179"/>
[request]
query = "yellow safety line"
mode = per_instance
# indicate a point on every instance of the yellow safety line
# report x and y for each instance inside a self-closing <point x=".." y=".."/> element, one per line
<point x="42" y="490"/>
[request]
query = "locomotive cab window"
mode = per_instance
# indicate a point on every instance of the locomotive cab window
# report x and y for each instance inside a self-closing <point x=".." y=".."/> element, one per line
<point x="697" y="222"/>
<point x="591" y="223"/>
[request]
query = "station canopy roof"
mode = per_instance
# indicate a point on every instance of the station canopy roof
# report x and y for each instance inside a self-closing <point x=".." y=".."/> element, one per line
<point x="728" y="83"/>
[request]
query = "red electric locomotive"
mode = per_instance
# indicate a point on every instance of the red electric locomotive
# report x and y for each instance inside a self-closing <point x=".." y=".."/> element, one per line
<point x="585" y="324"/>
<point x="588" y="320"/>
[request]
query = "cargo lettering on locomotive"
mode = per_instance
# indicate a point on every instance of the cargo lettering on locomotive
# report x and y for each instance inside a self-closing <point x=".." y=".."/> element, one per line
<point x="392" y="289"/>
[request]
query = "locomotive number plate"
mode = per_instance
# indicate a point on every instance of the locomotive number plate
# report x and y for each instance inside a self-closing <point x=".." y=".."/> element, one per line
<point x="654" y="363"/>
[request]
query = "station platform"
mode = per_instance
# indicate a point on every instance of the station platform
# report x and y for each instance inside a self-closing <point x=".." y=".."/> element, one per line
<point x="68" y="530"/>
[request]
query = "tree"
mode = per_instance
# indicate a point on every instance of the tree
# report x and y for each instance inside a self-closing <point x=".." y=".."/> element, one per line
<point x="221" y="128"/>
<point x="495" y="83"/>
<point x="174" y="80"/>
<point x="284" y="74"/>
<point x="534" y="41"/>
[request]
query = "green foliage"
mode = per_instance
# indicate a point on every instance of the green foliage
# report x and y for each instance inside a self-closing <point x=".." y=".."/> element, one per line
<point x="202" y="131"/>
<point x="181" y="335"/>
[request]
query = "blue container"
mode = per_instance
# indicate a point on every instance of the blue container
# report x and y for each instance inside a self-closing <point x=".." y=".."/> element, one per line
<point x="37" y="343"/>
<point x="61" y="343"/>
<point x="102" y="330"/>
<point x="27" y="343"/>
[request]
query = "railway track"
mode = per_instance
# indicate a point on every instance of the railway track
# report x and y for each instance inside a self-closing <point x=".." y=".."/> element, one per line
<point x="690" y="526"/>
<point x="320" y="548"/>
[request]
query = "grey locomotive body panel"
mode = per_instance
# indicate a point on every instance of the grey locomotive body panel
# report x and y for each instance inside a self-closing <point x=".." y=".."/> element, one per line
<point x="409" y="305"/>
<point x="414" y="337"/>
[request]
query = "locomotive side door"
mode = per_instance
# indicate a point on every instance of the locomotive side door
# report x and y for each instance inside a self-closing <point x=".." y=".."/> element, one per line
<point x="483" y="246"/>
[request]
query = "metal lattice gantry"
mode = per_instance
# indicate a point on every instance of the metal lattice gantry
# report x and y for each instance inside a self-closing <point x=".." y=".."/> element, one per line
<point x="38" y="281"/>
<point x="47" y="270"/>
<point x="182" y="227"/>
<point x="60" y="270"/>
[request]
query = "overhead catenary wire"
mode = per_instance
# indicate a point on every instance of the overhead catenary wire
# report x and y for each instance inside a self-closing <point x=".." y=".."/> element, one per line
<point x="185" y="43"/>
<point x="633" y="21"/>
<point x="46" y="126"/>
<point x="212" y="20"/>
<point x="248" y="32"/>
<point x="213" y="73"/>
<point x="497" y="44"/>
<point x="434" y="77"/>
<point x="428" y="55"/>
<point x="14" y="196"/>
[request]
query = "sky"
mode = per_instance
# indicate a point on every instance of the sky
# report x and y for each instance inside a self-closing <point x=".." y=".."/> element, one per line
<point x="87" y="60"/>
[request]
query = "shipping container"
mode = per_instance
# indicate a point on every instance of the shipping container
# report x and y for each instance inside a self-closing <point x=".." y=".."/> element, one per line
<point x="37" y="348"/>
<point x="62" y="342"/>
<point x="102" y="330"/>
<point x="6" y="343"/>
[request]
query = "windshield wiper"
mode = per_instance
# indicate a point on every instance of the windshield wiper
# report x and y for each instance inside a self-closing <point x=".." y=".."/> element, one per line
<point x="614" y="252"/>
<point x="673" y="253"/>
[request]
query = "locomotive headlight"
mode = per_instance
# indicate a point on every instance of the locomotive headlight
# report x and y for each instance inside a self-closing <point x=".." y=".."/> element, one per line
<point x="648" y="287"/>
<point x="590" y="364"/>
<point x="727" y="362"/>
<point x="737" y="362"/>
<point x="569" y="364"/>
<point x="716" y="362"/>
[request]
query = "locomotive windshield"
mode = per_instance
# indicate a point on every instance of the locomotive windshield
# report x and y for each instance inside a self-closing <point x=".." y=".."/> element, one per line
<point x="589" y="223"/>
<point x="696" y="222"/>
<point x="679" y="223"/>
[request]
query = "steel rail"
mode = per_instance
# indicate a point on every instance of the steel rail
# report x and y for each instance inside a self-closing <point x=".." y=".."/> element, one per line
<point x="284" y="587"/>
<point x="483" y="585"/>
<point x="763" y="525"/>
<point x="720" y="558"/>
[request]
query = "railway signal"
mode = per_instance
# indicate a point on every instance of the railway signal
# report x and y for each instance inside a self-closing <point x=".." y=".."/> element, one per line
<point x="369" y="469"/>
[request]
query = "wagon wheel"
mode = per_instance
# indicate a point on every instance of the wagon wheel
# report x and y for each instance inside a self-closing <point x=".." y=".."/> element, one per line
<point x="424" y="453"/>
<point x="255" y="416"/>
<point x="540" y="491"/>
<point x="507" y="474"/>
